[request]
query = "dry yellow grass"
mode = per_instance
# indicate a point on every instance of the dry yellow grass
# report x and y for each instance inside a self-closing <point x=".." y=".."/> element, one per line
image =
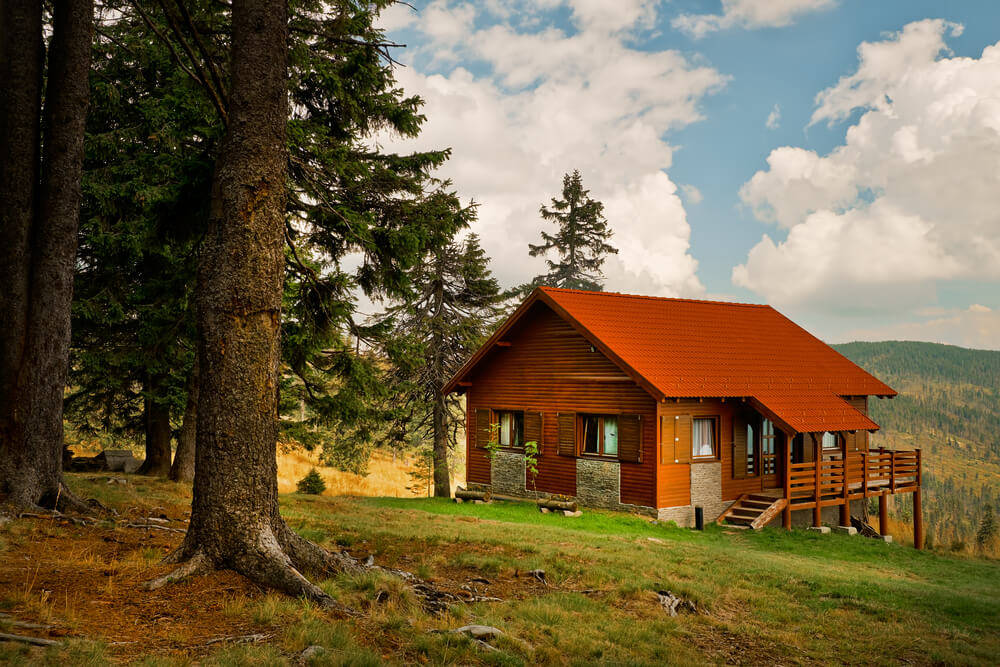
<point x="387" y="476"/>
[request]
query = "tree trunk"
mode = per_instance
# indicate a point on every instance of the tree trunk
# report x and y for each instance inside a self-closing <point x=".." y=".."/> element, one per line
<point x="183" y="468"/>
<point x="32" y="469"/>
<point x="235" y="522"/>
<point x="157" y="429"/>
<point x="22" y="53"/>
<point x="442" y="479"/>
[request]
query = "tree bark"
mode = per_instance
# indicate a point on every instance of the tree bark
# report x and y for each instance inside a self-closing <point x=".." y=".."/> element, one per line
<point x="31" y="472"/>
<point x="442" y="481"/>
<point x="22" y="55"/>
<point x="157" y="431"/>
<point x="442" y="478"/>
<point x="235" y="522"/>
<point x="182" y="469"/>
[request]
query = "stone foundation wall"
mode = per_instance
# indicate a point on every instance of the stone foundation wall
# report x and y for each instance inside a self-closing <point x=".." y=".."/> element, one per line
<point x="598" y="483"/>
<point x="507" y="473"/>
<point x="683" y="515"/>
<point x="706" y="489"/>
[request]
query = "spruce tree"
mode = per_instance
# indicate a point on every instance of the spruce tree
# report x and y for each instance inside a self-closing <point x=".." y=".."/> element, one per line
<point x="162" y="91"/>
<point x="987" y="528"/>
<point x="580" y="242"/>
<point x="457" y="305"/>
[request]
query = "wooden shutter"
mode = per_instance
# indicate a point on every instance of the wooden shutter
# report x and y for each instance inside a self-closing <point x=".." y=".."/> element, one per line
<point x="567" y="434"/>
<point x="666" y="439"/>
<point x="533" y="428"/>
<point x="739" y="447"/>
<point x="483" y="422"/>
<point x="682" y="439"/>
<point x="629" y="439"/>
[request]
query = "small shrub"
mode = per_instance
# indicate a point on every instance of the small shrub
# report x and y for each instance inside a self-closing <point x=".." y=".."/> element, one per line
<point x="312" y="483"/>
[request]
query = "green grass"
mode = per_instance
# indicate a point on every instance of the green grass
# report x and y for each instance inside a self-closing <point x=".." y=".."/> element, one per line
<point x="764" y="597"/>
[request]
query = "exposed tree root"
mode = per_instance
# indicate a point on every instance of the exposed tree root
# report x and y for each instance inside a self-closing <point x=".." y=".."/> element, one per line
<point x="197" y="564"/>
<point x="278" y="563"/>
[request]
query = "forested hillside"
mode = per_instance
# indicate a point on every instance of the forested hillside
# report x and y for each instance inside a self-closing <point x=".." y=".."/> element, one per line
<point x="949" y="406"/>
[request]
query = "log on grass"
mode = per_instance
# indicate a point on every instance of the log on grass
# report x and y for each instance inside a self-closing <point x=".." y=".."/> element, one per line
<point x="559" y="505"/>
<point x="466" y="494"/>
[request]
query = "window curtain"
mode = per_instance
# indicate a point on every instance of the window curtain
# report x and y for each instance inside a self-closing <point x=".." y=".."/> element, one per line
<point x="506" y="420"/>
<point x="610" y="436"/>
<point x="702" y="434"/>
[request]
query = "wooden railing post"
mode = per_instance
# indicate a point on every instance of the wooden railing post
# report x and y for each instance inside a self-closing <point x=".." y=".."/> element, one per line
<point x="918" y="521"/>
<point x="845" y="509"/>
<point x="883" y="514"/>
<point x="786" y="514"/>
<point x="864" y="477"/>
<point x="817" y="511"/>
<point x="892" y="470"/>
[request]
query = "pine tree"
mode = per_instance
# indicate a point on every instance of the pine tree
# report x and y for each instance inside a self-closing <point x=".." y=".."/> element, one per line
<point x="581" y="241"/>
<point x="435" y="330"/>
<point x="987" y="528"/>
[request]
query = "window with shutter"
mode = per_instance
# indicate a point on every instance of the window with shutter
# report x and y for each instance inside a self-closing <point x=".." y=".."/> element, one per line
<point x="629" y="439"/>
<point x="567" y="434"/>
<point x="666" y="439"/>
<point x="682" y="439"/>
<point x="484" y="419"/>
<point x="533" y="428"/>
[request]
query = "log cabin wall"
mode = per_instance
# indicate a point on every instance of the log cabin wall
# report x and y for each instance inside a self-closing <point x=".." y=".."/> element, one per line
<point x="674" y="479"/>
<point x="550" y="368"/>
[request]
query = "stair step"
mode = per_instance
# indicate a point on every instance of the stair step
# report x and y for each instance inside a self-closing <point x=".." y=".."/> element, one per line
<point x="757" y="504"/>
<point x="766" y="499"/>
<point x="739" y="520"/>
<point x="745" y="514"/>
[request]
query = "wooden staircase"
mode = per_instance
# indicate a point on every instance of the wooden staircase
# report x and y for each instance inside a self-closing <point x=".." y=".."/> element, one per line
<point x="752" y="511"/>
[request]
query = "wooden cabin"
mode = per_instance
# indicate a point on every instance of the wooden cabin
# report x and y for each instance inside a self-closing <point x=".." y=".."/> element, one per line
<point x="662" y="406"/>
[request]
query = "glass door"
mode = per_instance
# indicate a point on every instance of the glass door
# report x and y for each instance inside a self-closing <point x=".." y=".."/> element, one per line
<point x="770" y="456"/>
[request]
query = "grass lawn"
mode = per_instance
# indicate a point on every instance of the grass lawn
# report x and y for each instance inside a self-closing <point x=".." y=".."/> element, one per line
<point x="770" y="596"/>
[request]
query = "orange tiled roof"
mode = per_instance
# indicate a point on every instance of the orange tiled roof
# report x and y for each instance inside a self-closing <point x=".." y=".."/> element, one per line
<point x="687" y="348"/>
<point x="684" y="348"/>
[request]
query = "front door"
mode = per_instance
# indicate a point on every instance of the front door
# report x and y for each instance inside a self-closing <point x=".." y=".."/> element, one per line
<point x="771" y="456"/>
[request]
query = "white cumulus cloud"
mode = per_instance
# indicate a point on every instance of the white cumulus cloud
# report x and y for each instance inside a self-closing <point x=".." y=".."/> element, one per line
<point x="749" y="14"/>
<point x="529" y="105"/>
<point x="908" y="200"/>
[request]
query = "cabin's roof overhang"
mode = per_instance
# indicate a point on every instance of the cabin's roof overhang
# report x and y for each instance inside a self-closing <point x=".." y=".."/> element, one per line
<point x="685" y="348"/>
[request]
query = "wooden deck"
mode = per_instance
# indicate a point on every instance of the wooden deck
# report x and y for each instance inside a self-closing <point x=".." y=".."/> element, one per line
<point x="836" y="482"/>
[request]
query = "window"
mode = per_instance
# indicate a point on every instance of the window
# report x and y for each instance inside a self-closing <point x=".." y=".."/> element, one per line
<point x="751" y="451"/>
<point x="769" y="460"/>
<point x="599" y="435"/>
<point x="830" y="441"/>
<point x="511" y="429"/>
<point x="703" y="438"/>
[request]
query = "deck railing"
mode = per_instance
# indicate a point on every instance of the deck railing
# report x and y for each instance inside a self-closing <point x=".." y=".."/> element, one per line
<point x="835" y="481"/>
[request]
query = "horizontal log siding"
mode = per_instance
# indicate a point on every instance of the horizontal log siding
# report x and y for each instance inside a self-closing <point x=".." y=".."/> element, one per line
<point x="673" y="487"/>
<point x="531" y="375"/>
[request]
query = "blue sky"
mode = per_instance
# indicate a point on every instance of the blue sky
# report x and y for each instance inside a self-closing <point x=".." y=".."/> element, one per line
<point x="723" y="171"/>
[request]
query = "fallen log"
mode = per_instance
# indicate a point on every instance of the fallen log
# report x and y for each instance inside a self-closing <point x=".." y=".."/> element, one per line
<point x="466" y="494"/>
<point x="34" y="641"/>
<point x="558" y="505"/>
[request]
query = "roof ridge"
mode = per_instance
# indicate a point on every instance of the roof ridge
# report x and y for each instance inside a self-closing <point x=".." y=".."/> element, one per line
<point x="557" y="290"/>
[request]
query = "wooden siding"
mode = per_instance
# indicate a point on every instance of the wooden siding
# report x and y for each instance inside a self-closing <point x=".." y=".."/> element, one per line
<point x="552" y="369"/>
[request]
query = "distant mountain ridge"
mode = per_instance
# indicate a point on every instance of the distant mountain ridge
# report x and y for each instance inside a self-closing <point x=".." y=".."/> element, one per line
<point x="949" y="407"/>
